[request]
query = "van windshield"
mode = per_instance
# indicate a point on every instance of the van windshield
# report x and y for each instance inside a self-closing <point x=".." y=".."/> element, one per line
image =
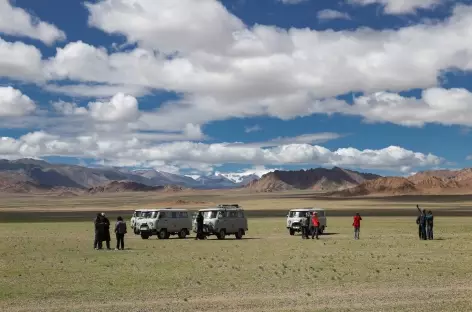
<point x="210" y="214"/>
<point x="298" y="214"/>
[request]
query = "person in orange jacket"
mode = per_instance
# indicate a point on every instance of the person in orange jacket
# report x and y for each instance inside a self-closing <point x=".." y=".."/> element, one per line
<point x="316" y="225"/>
<point x="357" y="225"/>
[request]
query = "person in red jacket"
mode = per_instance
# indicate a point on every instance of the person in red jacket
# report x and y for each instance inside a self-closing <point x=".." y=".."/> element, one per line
<point x="357" y="225"/>
<point x="316" y="225"/>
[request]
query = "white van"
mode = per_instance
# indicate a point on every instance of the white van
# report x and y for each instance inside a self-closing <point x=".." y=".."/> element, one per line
<point x="138" y="214"/>
<point x="223" y="220"/>
<point x="164" y="223"/>
<point x="296" y="216"/>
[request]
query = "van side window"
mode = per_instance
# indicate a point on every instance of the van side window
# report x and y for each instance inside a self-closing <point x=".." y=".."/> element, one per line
<point x="183" y="214"/>
<point x="233" y="214"/>
<point x="174" y="214"/>
<point x="162" y="215"/>
<point x="240" y="214"/>
<point x="321" y="213"/>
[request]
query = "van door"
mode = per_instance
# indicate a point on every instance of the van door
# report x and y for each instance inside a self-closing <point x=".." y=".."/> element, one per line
<point x="173" y="222"/>
<point x="163" y="220"/>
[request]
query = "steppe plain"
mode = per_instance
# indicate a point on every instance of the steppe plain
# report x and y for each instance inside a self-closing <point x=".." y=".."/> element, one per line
<point x="47" y="262"/>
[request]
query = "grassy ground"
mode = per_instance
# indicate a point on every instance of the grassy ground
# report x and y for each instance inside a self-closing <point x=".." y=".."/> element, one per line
<point x="52" y="267"/>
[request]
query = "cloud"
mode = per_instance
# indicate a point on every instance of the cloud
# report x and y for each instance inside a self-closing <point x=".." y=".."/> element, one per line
<point x="436" y="105"/>
<point x="259" y="70"/>
<point x="167" y="25"/>
<point x="40" y="144"/>
<point x="328" y="14"/>
<point x="20" y="61"/>
<point x="91" y="91"/>
<point x="121" y="107"/>
<point x="397" y="7"/>
<point x="292" y="1"/>
<point x="67" y="108"/>
<point x="17" y="22"/>
<point x="14" y="103"/>
<point x="309" y="138"/>
<point x="254" y="128"/>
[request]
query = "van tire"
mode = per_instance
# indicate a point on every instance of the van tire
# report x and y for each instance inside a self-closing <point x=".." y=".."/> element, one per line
<point x="321" y="230"/>
<point x="292" y="232"/>
<point x="144" y="236"/>
<point x="239" y="234"/>
<point x="221" y="234"/>
<point x="163" y="234"/>
<point x="136" y="231"/>
<point x="183" y="233"/>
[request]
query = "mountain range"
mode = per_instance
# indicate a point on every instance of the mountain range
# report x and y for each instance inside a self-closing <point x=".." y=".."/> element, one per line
<point x="31" y="175"/>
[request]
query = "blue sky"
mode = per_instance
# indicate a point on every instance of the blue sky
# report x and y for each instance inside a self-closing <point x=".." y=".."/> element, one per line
<point x="196" y="87"/>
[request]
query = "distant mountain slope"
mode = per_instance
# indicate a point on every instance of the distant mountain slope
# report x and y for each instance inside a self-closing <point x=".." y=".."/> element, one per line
<point x="319" y="179"/>
<point x="130" y="186"/>
<point x="426" y="182"/>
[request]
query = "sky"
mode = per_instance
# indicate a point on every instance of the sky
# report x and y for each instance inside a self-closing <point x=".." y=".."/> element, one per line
<point x="202" y="86"/>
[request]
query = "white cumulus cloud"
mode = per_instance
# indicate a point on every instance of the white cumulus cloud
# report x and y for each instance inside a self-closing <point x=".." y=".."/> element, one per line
<point x="329" y="14"/>
<point x="14" y="103"/>
<point x="15" y="21"/>
<point x="121" y="107"/>
<point x="396" y="7"/>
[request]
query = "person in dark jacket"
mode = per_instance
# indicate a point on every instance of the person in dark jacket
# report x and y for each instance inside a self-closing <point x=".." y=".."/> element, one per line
<point x="429" y="225"/>
<point x="199" y="226"/>
<point x="100" y="231"/>
<point x="106" y="234"/>
<point x="306" y="226"/>
<point x="95" y="225"/>
<point x="120" y="231"/>
<point x="423" y="224"/>
<point x="418" y="219"/>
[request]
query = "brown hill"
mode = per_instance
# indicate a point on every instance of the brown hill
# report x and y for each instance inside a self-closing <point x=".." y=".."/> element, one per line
<point x="130" y="186"/>
<point x="427" y="182"/>
<point x="319" y="179"/>
<point x="384" y="185"/>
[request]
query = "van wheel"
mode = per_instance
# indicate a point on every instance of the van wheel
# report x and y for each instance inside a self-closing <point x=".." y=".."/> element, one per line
<point x="221" y="234"/>
<point x="163" y="234"/>
<point x="292" y="232"/>
<point x="182" y="233"/>
<point x="239" y="234"/>
<point x="144" y="236"/>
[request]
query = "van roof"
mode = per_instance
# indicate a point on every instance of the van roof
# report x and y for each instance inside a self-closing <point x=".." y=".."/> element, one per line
<point x="219" y="209"/>
<point x="307" y="209"/>
<point x="163" y="209"/>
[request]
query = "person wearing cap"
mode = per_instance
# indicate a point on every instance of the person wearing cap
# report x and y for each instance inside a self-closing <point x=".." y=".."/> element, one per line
<point x="357" y="225"/>
<point x="106" y="234"/>
<point x="316" y="225"/>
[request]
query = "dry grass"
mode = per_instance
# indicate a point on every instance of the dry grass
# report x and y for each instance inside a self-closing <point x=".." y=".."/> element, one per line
<point x="52" y="267"/>
<point x="197" y="199"/>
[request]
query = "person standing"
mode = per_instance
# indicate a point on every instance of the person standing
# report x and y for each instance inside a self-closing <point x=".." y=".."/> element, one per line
<point x="199" y="226"/>
<point x="429" y="224"/>
<point x="357" y="225"/>
<point x="418" y="222"/>
<point x="95" y="225"/>
<point x="106" y="234"/>
<point x="316" y="225"/>
<point x="305" y="223"/>
<point x="100" y="231"/>
<point x="423" y="224"/>
<point x="120" y="231"/>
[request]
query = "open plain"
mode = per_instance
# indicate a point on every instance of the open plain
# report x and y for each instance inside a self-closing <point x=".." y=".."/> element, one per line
<point x="50" y="265"/>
